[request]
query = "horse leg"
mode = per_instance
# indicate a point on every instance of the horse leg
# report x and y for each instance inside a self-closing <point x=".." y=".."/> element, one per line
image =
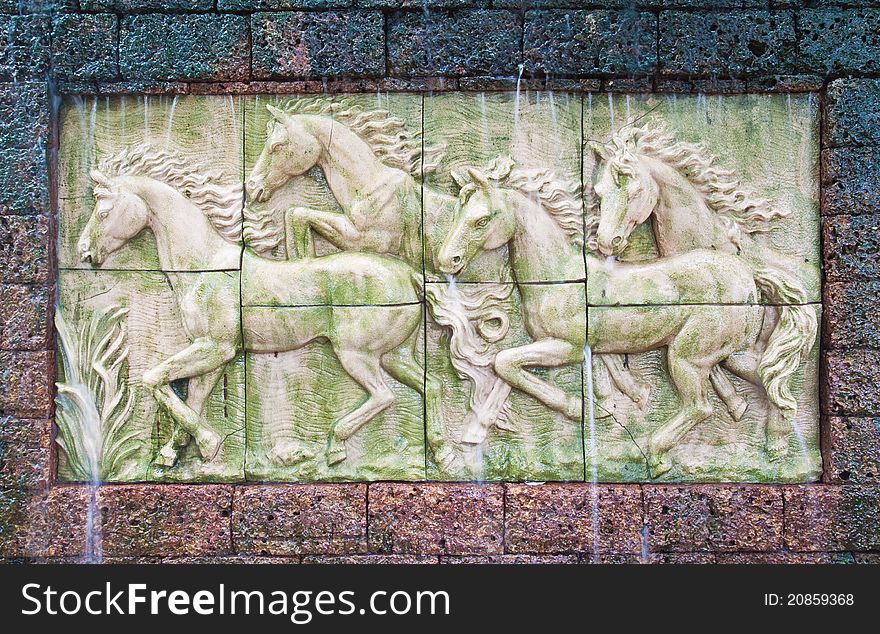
<point x="365" y="369"/>
<point x="200" y="358"/>
<point x="637" y="391"/>
<point x="335" y="227"/>
<point x="198" y="391"/>
<point x="511" y="366"/>
<point x="479" y="420"/>
<point x="692" y="383"/>
<point x="725" y="390"/>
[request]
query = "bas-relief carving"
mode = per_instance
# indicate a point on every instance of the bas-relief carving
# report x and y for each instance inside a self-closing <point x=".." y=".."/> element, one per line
<point x="642" y="345"/>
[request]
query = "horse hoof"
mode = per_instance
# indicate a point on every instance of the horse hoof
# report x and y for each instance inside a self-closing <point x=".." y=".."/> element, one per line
<point x="167" y="457"/>
<point x="209" y="445"/>
<point x="336" y="453"/>
<point x="473" y="434"/>
<point x="776" y="450"/>
<point x="573" y="409"/>
<point x="446" y="459"/>
<point x="658" y="466"/>
<point x="289" y="454"/>
<point x="739" y="410"/>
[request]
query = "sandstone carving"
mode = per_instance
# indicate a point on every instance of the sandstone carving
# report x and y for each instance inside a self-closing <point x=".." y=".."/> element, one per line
<point x="367" y="304"/>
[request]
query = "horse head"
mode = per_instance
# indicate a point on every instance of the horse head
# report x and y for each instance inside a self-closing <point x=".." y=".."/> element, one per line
<point x="290" y="150"/>
<point x="119" y="215"/>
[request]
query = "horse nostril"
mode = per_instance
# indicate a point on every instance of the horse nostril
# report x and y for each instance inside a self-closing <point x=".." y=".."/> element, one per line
<point x="456" y="259"/>
<point x="616" y="241"/>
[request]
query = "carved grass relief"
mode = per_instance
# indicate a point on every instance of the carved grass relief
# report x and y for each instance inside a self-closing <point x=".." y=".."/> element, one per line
<point x="466" y="286"/>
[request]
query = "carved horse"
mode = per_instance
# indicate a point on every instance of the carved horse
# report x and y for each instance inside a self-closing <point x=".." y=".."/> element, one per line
<point x="645" y="174"/>
<point x="200" y="237"/>
<point x="705" y="310"/>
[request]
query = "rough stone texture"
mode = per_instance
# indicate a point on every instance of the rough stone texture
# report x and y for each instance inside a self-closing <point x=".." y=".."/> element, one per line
<point x="649" y="558"/>
<point x="272" y="5"/>
<point x="832" y="518"/>
<point x="560" y="518"/>
<point x="713" y="518"/>
<point x="24" y="323"/>
<point x="839" y="41"/>
<point x="786" y="83"/>
<point x="304" y="45"/>
<point x="300" y="519"/>
<point x="370" y="559"/>
<point x="25" y="453"/>
<point x="84" y="46"/>
<point x="24" y="46"/>
<point x="24" y="249"/>
<point x="852" y="112"/>
<point x="26" y="378"/>
<point x="587" y="42"/>
<point x="24" y="181"/>
<point x="50" y="524"/>
<point x="166" y="520"/>
<point x="736" y="43"/>
<point x="129" y="6"/>
<point x="853" y="383"/>
<point x="854" y="450"/>
<point x="436" y="519"/>
<point x="851" y="181"/>
<point x="784" y="557"/>
<point x="850" y="315"/>
<point x="24" y="115"/>
<point x="193" y="47"/>
<point x="475" y="42"/>
<point x="511" y="559"/>
<point x="851" y="247"/>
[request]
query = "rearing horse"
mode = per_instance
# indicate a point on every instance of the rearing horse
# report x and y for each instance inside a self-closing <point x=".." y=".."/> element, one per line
<point x="705" y="311"/>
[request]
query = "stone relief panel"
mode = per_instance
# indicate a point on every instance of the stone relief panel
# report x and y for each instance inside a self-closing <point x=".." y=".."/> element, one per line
<point x="454" y="287"/>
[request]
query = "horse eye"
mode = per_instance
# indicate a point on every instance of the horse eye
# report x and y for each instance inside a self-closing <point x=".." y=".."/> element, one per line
<point x="103" y="214"/>
<point x="482" y="222"/>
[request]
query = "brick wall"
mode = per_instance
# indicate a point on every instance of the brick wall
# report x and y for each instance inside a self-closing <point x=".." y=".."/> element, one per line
<point x="50" y="47"/>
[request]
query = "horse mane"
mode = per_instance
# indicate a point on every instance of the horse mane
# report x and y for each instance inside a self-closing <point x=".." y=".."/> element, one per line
<point x="719" y="186"/>
<point x="218" y="197"/>
<point x="559" y="198"/>
<point x="386" y="134"/>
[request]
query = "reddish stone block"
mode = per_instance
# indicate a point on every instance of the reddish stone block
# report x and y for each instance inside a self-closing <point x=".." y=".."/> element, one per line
<point x="25" y="453"/>
<point x="867" y="558"/>
<point x="300" y="519"/>
<point x="511" y="559"/>
<point x="832" y="518"/>
<point x="650" y="558"/>
<point x="435" y="519"/>
<point x="850" y="315"/>
<point x="851" y="247"/>
<point x="854" y="450"/>
<point x="785" y="557"/>
<point x="27" y="383"/>
<point x="166" y="520"/>
<point x="44" y="525"/>
<point x="852" y="383"/>
<point x="226" y="559"/>
<point x="713" y="518"/>
<point x="24" y="317"/>
<point x="24" y="249"/>
<point x="562" y="518"/>
<point x="370" y="559"/>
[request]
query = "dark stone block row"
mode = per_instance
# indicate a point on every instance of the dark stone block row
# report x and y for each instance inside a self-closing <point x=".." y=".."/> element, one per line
<point x="852" y="112"/>
<point x="24" y="317"/>
<point x="24" y="181"/>
<point x="24" y="249"/>
<point x="853" y="450"/>
<point x="27" y="378"/>
<point x="852" y="383"/>
<point x="832" y="518"/>
<point x="851" y="180"/>
<point x="24" y="115"/>
<point x="84" y="46"/>
<point x="851" y="247"/>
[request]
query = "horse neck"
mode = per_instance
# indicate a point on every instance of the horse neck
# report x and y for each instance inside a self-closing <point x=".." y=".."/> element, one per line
<point x="538" y="235"/>
<point x="351" y="168"/>
<point x="682" y="220"/>
<point x="185" y="238"/>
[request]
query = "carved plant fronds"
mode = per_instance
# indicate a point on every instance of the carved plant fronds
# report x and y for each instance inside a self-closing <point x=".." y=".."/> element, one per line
<point x="94" y="401"/>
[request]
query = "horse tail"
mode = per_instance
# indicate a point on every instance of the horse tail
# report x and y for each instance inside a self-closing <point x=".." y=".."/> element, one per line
<point x="792" y="339"/>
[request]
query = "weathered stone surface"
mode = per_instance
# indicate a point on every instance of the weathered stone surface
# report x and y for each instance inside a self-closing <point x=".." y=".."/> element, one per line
<point x="561" y="518"/>
<point x="133" y="6"/>
<point x="713" y="518"/>
<point x="24" y="115"/>
<point x="867" y="558"/>
<point x="405" y="560"/>
<point x="510" y="559"/>
<point x="192" y="47"/>
<point x="786" y="83"/>
<point x="27" y="379"/>
<point x="852" y="112"/>
<point x="24" y="181"/>
<point x="435" y="519"/>
<point x="851" y="181"/>
<point x="648" y="558"/>
<point x="25" y="453"/>
<point x="851" y="247"/>
<point x="24" y="46"/>
<point x="589" y="42"/>
<point x="84" y="46"/>
<point x="24" y="249"/>
<point x="273" y="5"/>
<point x="50" y="524"/>
<point x="854" y="450"/>
<point x="300" y="519"/>
<point x="736" y="43"/>
<point x="839" y="41"/>
<point x="832" y="518"/>
<point x="471" y="42"/>
<point x="24" y="322"/>
<point x="300" y="44"/>
<point x="166" y="520"/>
<point x="784" y="557"/>
<point x="851" y="315"/>
<point x="853" y="387"/>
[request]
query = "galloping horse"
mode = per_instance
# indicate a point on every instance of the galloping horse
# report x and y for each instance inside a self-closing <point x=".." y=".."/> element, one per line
<point x="195" y="219"/>
<point x="695" y="204"/>
<point x="713" y="316"/>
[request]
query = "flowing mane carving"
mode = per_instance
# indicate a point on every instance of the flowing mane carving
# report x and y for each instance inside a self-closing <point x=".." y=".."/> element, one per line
<point x="386" y="134"/>
<point x="217" y="196"/>
<point x="560" y="199"/>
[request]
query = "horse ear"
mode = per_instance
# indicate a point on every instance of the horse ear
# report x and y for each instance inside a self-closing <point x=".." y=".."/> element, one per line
<point x="459" y="178"/>
<point x="478" y="178"/>
<point x="599" y="149"/>
<point x="100" y="179"/>
<point x="277" y="113"/>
